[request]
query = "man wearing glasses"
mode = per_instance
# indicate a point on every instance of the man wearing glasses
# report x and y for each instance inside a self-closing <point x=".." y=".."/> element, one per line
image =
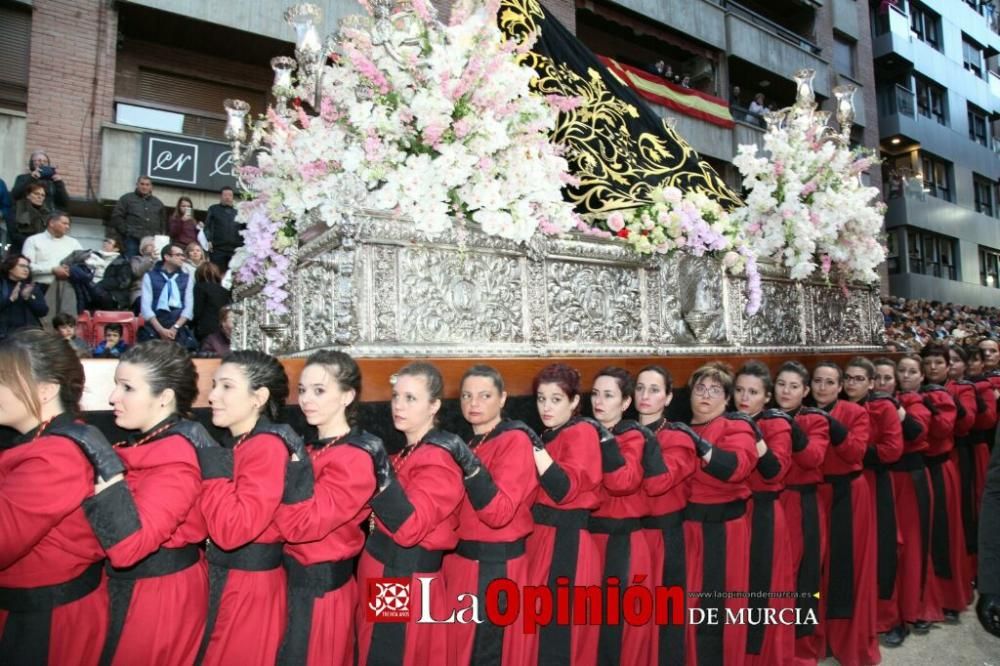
<point x="21" y="304"/>
<point x="167" y="300"/>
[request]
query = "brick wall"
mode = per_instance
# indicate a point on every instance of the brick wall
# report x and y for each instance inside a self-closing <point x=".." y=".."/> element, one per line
<point x="71" y="86"/>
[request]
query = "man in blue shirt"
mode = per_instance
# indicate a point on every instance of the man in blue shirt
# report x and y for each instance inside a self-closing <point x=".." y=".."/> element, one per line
<point x="167" y="300"/>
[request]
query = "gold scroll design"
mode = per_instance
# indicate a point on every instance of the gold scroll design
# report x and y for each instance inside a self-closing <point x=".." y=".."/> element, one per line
<point x="616" y="169"/>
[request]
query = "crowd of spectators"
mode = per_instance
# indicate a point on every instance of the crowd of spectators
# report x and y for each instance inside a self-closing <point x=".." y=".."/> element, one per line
<point x="166" y="267"/>
<point x="912" y="324"/>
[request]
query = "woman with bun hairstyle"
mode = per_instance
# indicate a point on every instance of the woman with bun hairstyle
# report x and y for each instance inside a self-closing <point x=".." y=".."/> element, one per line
<point x="53" y="600"/>
<point x="952" y="578"/>
<point x="716" y="523"/>
<point x="666" y="468"/>
<point x="150" y="524"/>
<point x="770" y="552"/>
<point x="615" y="524"/>
<point x="911" y="485"/>
<point x="848" y="595"/>
<point x="805" y="518"/>
<point x="494" y="520"/>
<point x="415" y="521"/>
<point x="245" y="485"/>
<point x="569" y="470"/>
<point x="322" y="512"/>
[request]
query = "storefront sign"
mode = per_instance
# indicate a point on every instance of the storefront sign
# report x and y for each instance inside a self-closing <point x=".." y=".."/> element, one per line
<point x="188" y="163"/>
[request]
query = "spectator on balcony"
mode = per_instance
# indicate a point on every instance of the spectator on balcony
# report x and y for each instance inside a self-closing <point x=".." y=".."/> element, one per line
<point x="217" y="344"/>
<point x="736" y="98"/>
<point x="209" y="298"/>
<point x="183" y="227"/>
<point x="30" y="216"/>
<point x="41" y="172"/>
<point x="222" y="230"/>
<point x="167" y="300"/>
<point x="686" y="82"/>
<point x="140" y="265"/>
<point x="21" y="304"/>
<point x="659" y="68"/>
<point x="47" y="252"/>
<point x="138" y="214"/>
<point x="194" y="257"/>
<point x="757" y="109"/>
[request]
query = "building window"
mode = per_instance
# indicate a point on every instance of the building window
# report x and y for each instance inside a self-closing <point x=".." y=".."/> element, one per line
<point x="989" y="267"/>
<point x="892" y="253"/>
<point x="925" y="24"/>
<point x="977" y="125"/>
<point x="983" y="194"/>
<point x="930" y="100"/>
<point x="937" y="176"/>
<point x="972" y="56"/>
<point x="15" y="50"/>
<point x="932" y="254"/>
<point x="843" y="56"/>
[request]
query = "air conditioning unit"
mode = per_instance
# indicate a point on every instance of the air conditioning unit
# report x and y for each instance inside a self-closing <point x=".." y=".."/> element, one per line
<point x="700" y="68"/>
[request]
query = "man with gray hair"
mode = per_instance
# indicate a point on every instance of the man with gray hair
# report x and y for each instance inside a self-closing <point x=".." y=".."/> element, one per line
<point x="47" y="251"/>
<point x="138" y="214"/>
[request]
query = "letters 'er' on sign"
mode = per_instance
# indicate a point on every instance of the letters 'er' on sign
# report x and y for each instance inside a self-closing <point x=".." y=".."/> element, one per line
<point x="181" y="161"/>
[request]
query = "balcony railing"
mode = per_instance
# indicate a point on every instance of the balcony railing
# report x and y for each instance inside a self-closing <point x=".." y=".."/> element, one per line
<point x="769" y="25"/>
<point x="933" y="268"/>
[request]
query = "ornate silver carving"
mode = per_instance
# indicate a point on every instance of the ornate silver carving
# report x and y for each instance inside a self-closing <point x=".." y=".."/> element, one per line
<point x="372" y="286"/>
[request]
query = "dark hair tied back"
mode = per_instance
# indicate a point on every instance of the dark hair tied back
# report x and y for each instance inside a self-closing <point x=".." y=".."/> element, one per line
<point x="263" y="371"/>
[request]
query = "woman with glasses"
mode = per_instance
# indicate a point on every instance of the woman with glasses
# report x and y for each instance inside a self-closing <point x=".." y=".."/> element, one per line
<point x="948" y="554"/>
<point x="22" y="305"/>
<point x="848" y="592"/>
<point x="911" y="485"/>
<point x="569" y="469"/>
<point x="885" y="437"/>
<point x="805" y="518"/>
<point x="770" y="554"/>
<point x="716" y="524"/>
<point x="667" y="468"/>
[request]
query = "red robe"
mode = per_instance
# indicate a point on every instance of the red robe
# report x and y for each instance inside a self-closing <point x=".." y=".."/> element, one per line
<point x="45" y="539"/>
<point x="667" y="495"/>
<point x="982" y="441"/>
<point x="418" y="509"/>
<point x="504" y="518"/>
<point x="327" y="528"/>
<point x="848" y="626"/>
<point x="966" y="395"/>
<point x="719" y="550"/>
<point x="570" y="491"/>
<point x="950" y="562"/>
<point x="165" y="617"/>
<point x="770" y="550"/>
<point x="240" y="511"/>
<point x="624" y="503"/>
<point x="805" y="514"/>
<point x="914" y="507"/>
<point x="885" y="438"/>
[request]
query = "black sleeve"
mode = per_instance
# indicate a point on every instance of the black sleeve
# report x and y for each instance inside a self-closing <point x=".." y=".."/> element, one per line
<point x="768" y="464"/>
<point x="481" y="488"/>
<point x="838" y="431"/>
<point x="298" y="482"/>
<point x="392" y="506"/>
<point x="611" y="455"/>
<point x="911" y="428"/>
<point x="112" y="514"/>
<point x="59" y="195"/>
<point x="555" y="482"/>
<point x="215" y="463"/>
<point x="871" y="456"/>
<point x="989" y="529"/>
<point x="722" y="465"/>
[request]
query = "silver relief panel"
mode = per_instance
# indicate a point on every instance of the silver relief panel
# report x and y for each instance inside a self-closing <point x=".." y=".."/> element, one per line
<point x="593" y="303"/>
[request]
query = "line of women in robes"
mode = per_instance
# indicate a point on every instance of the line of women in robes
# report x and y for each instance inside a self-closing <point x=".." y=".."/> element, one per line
<point x="849" y="493"/>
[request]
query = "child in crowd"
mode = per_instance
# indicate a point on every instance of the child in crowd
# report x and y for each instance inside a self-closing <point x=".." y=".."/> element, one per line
<point x="65" y="326"/>
<point x="113" y="345"/>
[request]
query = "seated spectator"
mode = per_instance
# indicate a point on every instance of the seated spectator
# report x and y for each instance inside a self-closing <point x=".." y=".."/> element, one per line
<point x="29" y="216"/>
<point x="209" y="299"/>
<point x="140" y="265"/>
<point x="182" y="226"/>
<point x="47" y="252"/>
<point x="217" y="344"/>
<point x="101" y="278"/>
<point x="41" y="172"/>
<point x="22" y="305"/>
<point x="112" y="345"/>
<point x="65" y="326"/>
<point x="167" y="300"/>
<point x="194" y="257"/>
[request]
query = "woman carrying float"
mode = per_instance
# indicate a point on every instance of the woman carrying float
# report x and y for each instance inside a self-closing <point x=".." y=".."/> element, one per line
<point x="415" y="523"/>
<point x="848" y="599"/>
<point x="245" y="483"/>
<point x="322" y="512"/>
<point x="494" y="520"/>
<point x="53" y="600"/>
<point x="150" y="524"/>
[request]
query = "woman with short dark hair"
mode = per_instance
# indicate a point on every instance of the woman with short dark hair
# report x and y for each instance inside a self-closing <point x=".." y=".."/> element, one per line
<point x="22" y="305"/>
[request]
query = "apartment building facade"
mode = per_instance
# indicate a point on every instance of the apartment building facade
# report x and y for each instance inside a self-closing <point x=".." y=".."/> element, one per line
<point x="938" y="91"/>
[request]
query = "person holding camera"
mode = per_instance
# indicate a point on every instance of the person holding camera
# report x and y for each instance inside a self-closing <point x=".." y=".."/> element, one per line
<point x="41" y="171"/>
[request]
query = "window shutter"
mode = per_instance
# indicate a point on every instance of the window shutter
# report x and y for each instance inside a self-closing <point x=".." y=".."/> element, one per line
<point x="15" y="53"/>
